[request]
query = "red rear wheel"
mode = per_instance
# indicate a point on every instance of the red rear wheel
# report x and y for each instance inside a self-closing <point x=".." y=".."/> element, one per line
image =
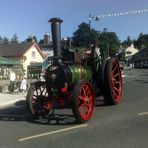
<point x="83" y="101"/>
<point x="112" y="85"/>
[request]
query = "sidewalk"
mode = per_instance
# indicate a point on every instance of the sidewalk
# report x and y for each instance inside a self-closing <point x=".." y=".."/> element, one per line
<point x="7" y="99"/>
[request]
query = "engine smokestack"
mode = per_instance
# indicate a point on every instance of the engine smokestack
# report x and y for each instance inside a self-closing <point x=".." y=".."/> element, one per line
<point x="56" y="35"/>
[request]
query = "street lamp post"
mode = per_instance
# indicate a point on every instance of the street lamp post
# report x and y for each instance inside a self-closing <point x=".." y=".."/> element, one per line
<point x="96" y="18"/>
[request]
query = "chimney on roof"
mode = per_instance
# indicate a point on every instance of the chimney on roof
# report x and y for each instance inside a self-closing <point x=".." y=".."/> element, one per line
<point x="46" y="38"/>
<point x="31" y="38"/>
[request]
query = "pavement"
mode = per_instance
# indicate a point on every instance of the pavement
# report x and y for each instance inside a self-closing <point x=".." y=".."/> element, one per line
<point x="7" y="99"/>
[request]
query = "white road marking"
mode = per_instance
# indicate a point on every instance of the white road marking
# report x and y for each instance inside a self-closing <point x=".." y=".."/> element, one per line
<point x="52" y="132"/>
<point x="144" y="113"/>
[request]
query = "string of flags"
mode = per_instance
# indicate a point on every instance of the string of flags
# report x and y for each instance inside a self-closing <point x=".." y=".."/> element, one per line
<point x="119" y="14"/>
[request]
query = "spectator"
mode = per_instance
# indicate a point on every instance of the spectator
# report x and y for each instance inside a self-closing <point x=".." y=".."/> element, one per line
<point x="23" y="86"/>
<point x="12" y="80"/>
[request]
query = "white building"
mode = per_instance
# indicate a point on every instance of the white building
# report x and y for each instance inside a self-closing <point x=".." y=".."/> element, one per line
<point x="130" y="51"/>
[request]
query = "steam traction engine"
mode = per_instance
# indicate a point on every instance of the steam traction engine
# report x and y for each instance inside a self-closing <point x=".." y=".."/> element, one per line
<point x="74" y="80"/>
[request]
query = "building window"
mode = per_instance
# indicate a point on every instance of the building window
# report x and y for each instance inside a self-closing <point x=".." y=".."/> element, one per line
<point x="33" y="55"/>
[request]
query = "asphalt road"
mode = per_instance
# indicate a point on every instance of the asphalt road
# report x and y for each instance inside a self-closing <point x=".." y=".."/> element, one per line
<point x="121" y="126"/>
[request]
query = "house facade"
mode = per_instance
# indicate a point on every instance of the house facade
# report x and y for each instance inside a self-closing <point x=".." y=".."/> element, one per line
<point x="140" y="59"/>
<point x="26" y="53"/>
<point x="130" y="51"/>
<point x="46" y="46"/>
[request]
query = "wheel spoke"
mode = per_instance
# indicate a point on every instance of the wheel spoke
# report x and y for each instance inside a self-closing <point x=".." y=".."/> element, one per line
<point x="39" y="104"/>
<point x="115" y="88"/>
<point x="46" y="93"/>
<point x="88" y="93"/>
<point x="85" y="88"/>
<point x="89" y="106"/>
<point x="36" y="91"/>
<point x="116" y="75"/>
<point x="116" y="96"/>
<point x="83" y="110"/>
<point x="81" y="98"/>
<point x="34" y="96"/>
<point x="114" y="69"/>
<point x="42" y="89"/>
<point x="81" y="107"/>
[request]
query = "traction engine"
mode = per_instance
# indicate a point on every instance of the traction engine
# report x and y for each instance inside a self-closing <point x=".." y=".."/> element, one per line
<point x="74" y="80"/>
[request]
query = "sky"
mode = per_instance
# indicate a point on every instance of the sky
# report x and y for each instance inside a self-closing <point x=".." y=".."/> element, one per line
<point x="30" y="17"/>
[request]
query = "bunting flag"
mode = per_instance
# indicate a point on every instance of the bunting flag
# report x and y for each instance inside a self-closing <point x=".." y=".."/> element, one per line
<point x="119" y="14"/>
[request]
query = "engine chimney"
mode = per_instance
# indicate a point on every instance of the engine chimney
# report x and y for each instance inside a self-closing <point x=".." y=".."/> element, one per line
<point x="56" y="35"/>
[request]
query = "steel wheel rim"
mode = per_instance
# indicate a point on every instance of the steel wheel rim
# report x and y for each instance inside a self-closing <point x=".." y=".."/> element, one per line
<point x="85" y="102"/>
<point x="116" y="81"/>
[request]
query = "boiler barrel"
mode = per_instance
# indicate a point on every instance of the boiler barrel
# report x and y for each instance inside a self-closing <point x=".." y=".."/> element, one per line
<point x="79" y="73"/>
<point x="58" y="75"/>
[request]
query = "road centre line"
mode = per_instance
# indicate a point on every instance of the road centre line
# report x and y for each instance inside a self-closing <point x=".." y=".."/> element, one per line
<point x="52" y="132"/>
<point x="144" y="113"/>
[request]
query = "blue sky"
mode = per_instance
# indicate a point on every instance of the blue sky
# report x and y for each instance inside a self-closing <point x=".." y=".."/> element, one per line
<point x="30" y="17"/>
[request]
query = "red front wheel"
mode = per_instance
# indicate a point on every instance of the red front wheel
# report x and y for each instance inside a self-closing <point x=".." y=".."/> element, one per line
<point x="83" y="101"/>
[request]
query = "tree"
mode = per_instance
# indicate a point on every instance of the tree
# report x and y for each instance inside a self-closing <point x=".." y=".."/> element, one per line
<point x="142" y="41"/>
<point x="81" y="36"/>
<point x="127" y="42"/>
<point x="5" y="40"/>
<point x="14" y="39"/>
<point x="109" y="42"/>
<point x="84" y="36"/>
<point x="1" y="40"/>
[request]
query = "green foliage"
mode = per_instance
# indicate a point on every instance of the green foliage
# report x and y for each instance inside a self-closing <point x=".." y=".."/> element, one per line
<point x="109" y="42"/>
<point x="5" y="40"/>
<point x="14" y="39"/>
<point x="81" y="36"/>
<point x="84" y="36"/>
<point x="127" y="42"/>
<point x="142" y="41"/>
<point x="1" y="40"/>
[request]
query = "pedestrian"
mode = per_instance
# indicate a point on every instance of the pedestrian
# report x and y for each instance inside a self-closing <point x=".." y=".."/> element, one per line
<point x="23" y="86"/>
<point x="12" y="80"/>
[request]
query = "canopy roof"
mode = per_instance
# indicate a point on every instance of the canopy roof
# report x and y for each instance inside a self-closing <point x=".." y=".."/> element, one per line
<point x="5" y="61"/>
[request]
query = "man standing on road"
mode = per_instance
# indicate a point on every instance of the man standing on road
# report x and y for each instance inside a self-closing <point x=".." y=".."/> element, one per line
<point x="12" y="80"/>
